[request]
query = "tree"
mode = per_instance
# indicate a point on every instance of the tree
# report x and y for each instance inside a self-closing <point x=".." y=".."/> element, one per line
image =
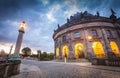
<point x="50" y="56"/>
<point x="26" y="51"/>
<point x="38" y="54"/>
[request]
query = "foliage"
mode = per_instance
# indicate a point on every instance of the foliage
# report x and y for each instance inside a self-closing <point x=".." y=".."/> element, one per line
<point x="50" y="55"/>
<point x="34" y="55"/>
<point x="46" y="56"/>
<point x="26" y="51"/>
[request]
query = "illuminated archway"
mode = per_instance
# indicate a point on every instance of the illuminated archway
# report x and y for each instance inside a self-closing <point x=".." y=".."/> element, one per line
<point x="57" y="52"/>
<point x="98" y="49"/>
<point x="114" y="48"/>
<point x="79" y="51"/>
<point x="65" y="51"/>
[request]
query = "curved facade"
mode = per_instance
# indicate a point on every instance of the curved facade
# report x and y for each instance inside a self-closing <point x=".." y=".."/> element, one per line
<point x="86" y="35"/>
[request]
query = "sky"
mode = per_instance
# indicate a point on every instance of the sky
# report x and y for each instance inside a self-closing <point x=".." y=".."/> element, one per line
<point x="42" y="17"/>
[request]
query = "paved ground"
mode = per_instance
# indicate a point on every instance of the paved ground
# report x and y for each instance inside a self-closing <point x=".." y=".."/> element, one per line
<point x="45" y="69"/>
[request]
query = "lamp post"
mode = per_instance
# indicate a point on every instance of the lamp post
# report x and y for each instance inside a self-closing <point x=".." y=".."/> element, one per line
<point x="10" y="50"/>
<point x="19" y="42"/>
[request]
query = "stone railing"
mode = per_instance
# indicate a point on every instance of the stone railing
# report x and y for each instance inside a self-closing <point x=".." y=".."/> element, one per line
<point x="108" y="62"/>
<point x="10" y="68"/>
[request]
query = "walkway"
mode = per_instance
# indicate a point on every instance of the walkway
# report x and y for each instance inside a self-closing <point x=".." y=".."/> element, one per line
<point x="50" y="69"/>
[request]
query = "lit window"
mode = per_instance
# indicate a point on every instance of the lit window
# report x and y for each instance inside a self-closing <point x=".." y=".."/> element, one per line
<point x="94" y="32"/>
<point x="76" y="35"/>
<point x="108" y="33"/>
<point x="64" y="38"/>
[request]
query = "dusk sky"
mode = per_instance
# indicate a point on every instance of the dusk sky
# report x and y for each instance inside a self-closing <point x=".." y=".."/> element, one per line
<point x="42" y="17"/>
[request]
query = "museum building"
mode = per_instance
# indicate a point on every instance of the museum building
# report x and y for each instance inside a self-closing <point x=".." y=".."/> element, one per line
<point x="86" y="35"/>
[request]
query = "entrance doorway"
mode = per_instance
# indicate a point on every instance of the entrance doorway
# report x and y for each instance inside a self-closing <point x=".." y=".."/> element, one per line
<point x="98" y="49"/>
<point x="65" y="51"/>
<point x="79" y="51"/>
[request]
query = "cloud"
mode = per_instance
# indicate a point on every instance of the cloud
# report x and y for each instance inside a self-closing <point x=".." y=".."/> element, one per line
<point x="52" y="11"/>
<point x="50" y="17"/>
<point x="45" y="2"/>
<point x="6" y="46"/>
<point x="73" y="9"/>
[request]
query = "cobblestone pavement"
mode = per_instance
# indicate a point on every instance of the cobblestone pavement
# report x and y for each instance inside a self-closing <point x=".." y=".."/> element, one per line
<point x="69" y="70"/>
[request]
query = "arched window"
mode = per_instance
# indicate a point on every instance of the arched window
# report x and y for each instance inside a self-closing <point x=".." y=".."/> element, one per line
<point x="114" y="48"/>
<point x="98" y="49"/>
<point x="79" y="51"/>
<point x="65" y="51"/>
<point x="57" y="52"/>
<point x="94" y="32"/>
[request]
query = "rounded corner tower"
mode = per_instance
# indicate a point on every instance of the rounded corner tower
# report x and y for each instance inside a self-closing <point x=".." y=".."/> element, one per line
<point x="86" y="36"/>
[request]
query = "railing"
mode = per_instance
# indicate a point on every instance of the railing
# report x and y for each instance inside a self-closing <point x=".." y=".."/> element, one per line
<point x="108" y="62"/>
<point x="10" y="68"/>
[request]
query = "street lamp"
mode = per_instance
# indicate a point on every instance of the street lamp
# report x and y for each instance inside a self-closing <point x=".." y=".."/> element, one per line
<point x="90" y="38"/>
<point x="19" y="42"/>
<point x="22" y="26"/>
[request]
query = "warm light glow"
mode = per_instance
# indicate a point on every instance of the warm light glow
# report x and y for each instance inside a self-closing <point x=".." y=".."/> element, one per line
<point x="57" y="52"/>
<point x="65" y="51"/>
<point x="98" y="49"/>
<point x="114" y="48"/>
<point x="78" y="50"/>
<point x="23" y="25"/>
<point x="89" y="37"/>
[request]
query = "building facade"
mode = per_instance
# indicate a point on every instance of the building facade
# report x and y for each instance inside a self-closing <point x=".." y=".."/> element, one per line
<point x="86" y="36"/>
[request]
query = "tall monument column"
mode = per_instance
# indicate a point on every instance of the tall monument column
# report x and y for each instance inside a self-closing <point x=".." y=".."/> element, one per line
<point x="19" y="42"/>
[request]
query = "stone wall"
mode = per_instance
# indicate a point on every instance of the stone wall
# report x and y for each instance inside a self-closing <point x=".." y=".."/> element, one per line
<point x="10" y="68"/>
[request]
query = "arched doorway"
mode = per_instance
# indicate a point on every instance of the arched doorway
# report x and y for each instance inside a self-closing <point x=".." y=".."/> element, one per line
<point x="98" y="49"/>
<point x="114" y="48"/>
<point x="57" y="52"/>
<point x="79" y="51"/>
<point x="65" y="51"/>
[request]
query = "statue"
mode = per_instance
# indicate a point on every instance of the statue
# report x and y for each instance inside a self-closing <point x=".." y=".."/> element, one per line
<point x="68" y="20"/>
<point x="113" y="12"/>
<point x="58" y="26"/>
<point x="98" y="14"/>
<point x="113" y="17"/>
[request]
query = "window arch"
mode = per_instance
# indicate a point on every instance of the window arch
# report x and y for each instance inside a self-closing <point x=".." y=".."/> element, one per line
<point x="65" y="51"/>
<point x="57" y="52"/>
<point x="79" y="53"/>
<point x="115" y="48"/>
<point x="98" y="49"/>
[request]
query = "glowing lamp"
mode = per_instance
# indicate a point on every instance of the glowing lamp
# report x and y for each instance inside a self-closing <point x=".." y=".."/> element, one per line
<point x="89" y="37"/>
<point x="22" y="25"/>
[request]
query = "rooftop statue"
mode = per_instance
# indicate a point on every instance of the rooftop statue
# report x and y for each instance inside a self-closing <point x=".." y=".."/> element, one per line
<point x="80" y="16"/>
<point x="98" y="14"/>
<point x="58" y="26"/>
<point x="113" y="17"/>
<point x="113" y="12"/>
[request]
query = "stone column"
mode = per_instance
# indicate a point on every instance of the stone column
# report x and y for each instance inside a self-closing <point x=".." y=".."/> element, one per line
<point x="70" y="46"/>
<point x="54" y="50"/>
<point x="107" y="44"/>
<point x="18" y="43"/>
<point x="60" y="49"/>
